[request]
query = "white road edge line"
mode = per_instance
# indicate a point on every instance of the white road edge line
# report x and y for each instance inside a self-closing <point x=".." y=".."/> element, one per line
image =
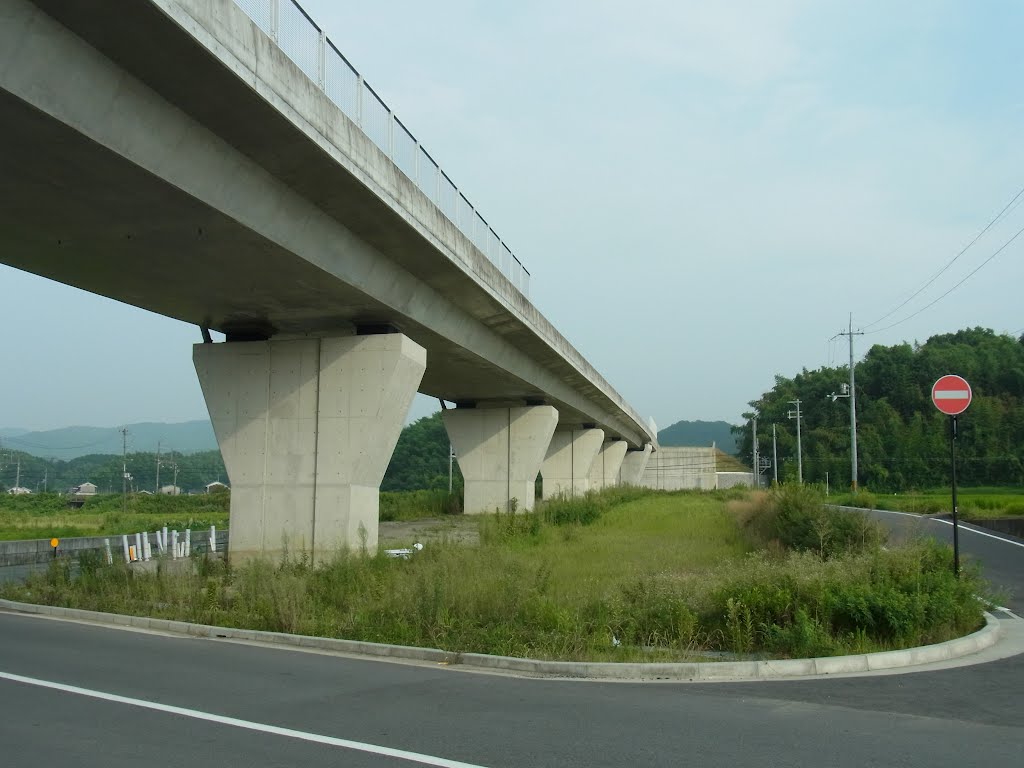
<point x="980" y="533"/>
<point x="945" y="522"/>
<point x="275" y="730"/>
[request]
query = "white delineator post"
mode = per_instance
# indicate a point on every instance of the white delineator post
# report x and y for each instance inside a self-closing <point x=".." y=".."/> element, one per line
<point x="566" y="467"/>
<point x="500" y="451"/>
<point x="633" y="465"/>
<point x="604" y="472"/>
<point x="307" y="428"/>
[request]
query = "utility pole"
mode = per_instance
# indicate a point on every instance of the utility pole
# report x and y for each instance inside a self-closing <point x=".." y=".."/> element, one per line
<point x="124" y="470"/>
<point x="157" y="489"/>
<point x="451" y="455"/>
<point x="850" y="390"/>
<point x="775" y="456"/>
<point x="17" y="480"/>
<point x="757" y="459"/>
<point x="799" y="448"/>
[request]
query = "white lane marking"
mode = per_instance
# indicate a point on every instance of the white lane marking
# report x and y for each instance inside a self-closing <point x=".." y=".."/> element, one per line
<point x="946" y="522"/>
<point x="980" y="533"/>
<point x="399" y="754"/>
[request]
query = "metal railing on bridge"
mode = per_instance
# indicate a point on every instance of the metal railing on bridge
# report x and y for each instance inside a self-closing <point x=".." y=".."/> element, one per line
<point x="306" y="44"/>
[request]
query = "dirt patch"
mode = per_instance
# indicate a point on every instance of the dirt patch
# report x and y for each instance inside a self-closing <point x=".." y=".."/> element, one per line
<point x="458" y="528"/>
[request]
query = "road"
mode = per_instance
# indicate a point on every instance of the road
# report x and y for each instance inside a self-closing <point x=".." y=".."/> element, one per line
<point x="188" y="701"/>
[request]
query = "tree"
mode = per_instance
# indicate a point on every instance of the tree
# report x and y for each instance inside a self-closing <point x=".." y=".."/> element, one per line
<point x="902" y="438"/>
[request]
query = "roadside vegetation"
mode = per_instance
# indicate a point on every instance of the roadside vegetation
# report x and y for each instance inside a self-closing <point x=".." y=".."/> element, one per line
<point x="624" y="575"/>
<point x="973" y="503"/>
<point x="45" y="515"/>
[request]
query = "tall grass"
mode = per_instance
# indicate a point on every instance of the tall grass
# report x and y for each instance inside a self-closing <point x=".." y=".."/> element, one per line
<point x="624" y="575"/>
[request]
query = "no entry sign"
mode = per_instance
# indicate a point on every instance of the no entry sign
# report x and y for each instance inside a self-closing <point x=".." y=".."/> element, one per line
<point x="951" y="394"/>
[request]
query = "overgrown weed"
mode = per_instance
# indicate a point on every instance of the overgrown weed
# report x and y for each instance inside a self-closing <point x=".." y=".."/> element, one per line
<point x="621" y="575"/>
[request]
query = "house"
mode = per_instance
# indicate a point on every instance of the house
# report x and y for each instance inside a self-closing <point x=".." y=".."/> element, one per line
<point x="85" y="489"/>
<point x="216" y="487"/>
<point x="18" y="491"/>
<point x="170" y="490"/>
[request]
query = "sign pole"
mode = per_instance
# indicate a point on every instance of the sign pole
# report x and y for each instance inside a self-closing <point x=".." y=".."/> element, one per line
<point x="951" y="394"/>
<point x="952" y="470"/>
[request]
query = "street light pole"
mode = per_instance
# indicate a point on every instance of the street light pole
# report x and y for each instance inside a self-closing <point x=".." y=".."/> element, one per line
<point x="799" y="448"/>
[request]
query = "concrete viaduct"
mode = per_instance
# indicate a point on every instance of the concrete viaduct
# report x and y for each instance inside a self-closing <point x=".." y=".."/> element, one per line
<point x="169" y="154"/>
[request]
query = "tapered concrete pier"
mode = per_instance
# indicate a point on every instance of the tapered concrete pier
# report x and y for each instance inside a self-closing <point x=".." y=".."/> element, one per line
<point x="307" y="428"/>
<point x="500" y="451"/>
<point x="604" y="472"/>
<point x="566" y="467"/>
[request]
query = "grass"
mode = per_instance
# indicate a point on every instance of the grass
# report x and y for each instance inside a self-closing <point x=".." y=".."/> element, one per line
<point x="973" y="503"/>
<point x="416" y="505"/>
<point x="622" y="576"/>
<point x="726" y="463"/>
<point x="41" y="516"/>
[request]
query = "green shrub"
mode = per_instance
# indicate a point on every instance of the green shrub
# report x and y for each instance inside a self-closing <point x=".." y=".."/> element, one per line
<point x="801" y="521"/>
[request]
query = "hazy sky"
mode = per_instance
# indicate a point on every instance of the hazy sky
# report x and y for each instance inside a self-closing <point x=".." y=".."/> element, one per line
<point x="702" y="191"/>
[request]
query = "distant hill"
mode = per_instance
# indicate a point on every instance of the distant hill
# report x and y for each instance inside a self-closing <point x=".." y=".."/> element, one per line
<point x="699" y="433"/>
<point x="12" y="432"/>
<point x="71" y="442"/>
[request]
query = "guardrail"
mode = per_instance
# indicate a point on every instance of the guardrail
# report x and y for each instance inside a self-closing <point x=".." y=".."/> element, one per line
<point x="306" y="44"/>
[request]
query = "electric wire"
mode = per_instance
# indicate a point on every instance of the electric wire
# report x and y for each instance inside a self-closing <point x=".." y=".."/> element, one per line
<point x="934" y="277"/>
<point x="955" y="286"/>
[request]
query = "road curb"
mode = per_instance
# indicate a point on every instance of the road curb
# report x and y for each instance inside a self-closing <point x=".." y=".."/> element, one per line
<point x="717" y="671"/>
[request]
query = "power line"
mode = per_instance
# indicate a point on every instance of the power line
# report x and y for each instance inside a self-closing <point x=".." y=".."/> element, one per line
<point x="957" y="285"/>
<point x="948" y="265"/>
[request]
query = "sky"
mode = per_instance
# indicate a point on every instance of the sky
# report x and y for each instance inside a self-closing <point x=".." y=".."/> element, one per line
<point x="703" y="192"/>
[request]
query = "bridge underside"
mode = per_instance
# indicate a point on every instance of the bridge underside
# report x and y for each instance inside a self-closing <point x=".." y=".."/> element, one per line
<point x="76" y="212"/>
<point x="136" y="166"/>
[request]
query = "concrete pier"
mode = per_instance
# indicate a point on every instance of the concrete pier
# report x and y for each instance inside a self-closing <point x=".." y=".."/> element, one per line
<point x="500" y="451"/>
<point x="604" y="472"/>
<point x="633" y="465"/>
<point x="566" y="467"/>
<point x="307" y="428"/>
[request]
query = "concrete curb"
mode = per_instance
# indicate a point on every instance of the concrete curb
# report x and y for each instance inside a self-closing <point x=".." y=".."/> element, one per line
<point x="718" y="671"/>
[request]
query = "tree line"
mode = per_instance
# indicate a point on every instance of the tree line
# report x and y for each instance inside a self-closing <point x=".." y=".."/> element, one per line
<point x="420" y="462"/>
<point x="903" y="440"/>
<point x="192" y="471"/>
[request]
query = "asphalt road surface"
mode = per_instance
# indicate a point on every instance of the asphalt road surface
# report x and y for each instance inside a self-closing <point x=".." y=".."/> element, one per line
<point x="76" y="694"/>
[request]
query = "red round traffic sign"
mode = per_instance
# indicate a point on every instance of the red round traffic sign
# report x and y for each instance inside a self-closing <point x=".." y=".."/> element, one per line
<point x="951" y="394"/>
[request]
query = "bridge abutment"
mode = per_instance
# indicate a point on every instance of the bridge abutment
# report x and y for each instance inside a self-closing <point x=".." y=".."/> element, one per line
<point x="604" y="472"/>
<point x="500" y="451"/>
<point x="633" y="465"/>
<point x="566" y="467"/>
<point x="307" y="428"/>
